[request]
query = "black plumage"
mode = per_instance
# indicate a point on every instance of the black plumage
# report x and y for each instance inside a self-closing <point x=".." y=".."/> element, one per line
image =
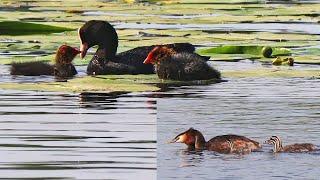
<point x="63" y="66"/>
<point x="36" y="68"/>
<point x="182" y="66"/>
<point x="102" y="33"/>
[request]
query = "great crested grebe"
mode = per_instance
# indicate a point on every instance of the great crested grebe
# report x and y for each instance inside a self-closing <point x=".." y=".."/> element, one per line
<point x="222" y="144"/>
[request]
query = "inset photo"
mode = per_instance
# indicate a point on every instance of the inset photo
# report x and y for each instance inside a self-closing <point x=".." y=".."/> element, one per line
<point x="243" y="128"/>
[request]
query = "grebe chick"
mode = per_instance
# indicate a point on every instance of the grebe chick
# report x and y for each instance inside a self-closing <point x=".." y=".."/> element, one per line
<point x="293" y="148"/>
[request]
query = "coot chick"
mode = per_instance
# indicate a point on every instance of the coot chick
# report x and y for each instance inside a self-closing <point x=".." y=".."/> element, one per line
<point x="63" y="66"/>
<point x="293" y="148"/>
<point x="225" y="144"/>
<point x="104" y="35"/>
<point x="183" y="66"/>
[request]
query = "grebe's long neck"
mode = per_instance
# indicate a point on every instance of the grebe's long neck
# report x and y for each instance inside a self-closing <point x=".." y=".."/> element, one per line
<point x="277" y="144"/>
<point x="200" y="142"/>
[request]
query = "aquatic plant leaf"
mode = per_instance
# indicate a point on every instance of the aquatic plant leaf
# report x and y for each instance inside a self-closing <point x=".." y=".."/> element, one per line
<point x="128" y="83"/>
<point x="26" y="28"/>
<point x="275" y="72"/>
<point x="254" y="50"/>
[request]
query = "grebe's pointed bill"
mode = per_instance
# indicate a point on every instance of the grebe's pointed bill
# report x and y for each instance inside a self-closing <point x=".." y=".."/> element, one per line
<point x="181" y="138"/>
<point x="272" y="140"/>
<point x="175" y="140"/>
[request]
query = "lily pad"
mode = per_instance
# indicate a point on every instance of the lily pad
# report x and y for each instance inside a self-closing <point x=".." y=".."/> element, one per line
<point x="139" y="83"/>
<point x="283" y="61"/>
<point x="278" y="72"/>
<point x="49" y="58"/>
<point x="24" y="28"/>
<point x="253" y="50"/>
<point x="104" y="83"/>
<point x="129" y="83"/>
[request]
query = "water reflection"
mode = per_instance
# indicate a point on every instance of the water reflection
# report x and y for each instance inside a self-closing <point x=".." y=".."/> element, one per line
<point x="99" y="100"/>
<point x="61" y="136"/>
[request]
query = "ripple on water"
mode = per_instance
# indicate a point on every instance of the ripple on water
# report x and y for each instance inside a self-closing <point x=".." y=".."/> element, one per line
<point x="56" y="135"/>
<point x="299" y="28"/>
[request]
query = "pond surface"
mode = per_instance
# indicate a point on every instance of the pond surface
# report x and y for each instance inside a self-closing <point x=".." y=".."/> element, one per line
<point x="254" y="107"/>
<point x="57" y="135"/>
<point x="298" y="28"/>
<point x="77" y="136"/>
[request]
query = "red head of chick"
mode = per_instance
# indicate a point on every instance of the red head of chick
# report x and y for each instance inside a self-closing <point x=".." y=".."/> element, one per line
<point x="181" y="66"/>
<point x="65" y="54"/>
<point x="158" y="54"/>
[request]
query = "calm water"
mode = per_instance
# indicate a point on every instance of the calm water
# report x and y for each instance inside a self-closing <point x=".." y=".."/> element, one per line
<point x="256" y="108"/>
<point x="298" y="28"/>
<point x="72" y="136"/>
<point x="113" y="136"/>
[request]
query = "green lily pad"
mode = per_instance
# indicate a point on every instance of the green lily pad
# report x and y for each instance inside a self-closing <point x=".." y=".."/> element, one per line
<point x="50" y="58"/>
<point x="139" y="83"/>
<point x="253" y="50"/>
<point x="24" y="28"/>
<point x="129" y="83"/>
<point x="104" y="83"/>
<point x="278" y="72"/>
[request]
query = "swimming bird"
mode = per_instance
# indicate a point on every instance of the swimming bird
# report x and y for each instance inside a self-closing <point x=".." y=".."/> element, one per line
<point x="107" y="61"/>
<point x="62" y="67"/>
<point x="225" y="144"/>
<point x="293" y="148"/>
<point x="182" y="66"/>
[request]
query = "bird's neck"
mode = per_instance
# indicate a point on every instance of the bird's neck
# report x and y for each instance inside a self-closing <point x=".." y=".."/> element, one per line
<point x="108" y="48"/>
<point x="277" y="146"/>
<point x="200" y="142"/>
<point x="106" y="53"/>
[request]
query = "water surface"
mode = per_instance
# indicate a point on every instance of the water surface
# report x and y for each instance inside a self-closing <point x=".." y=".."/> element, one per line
<point x="77" y="136"/>
<point x="298" y="28"/>
<point x="253" y="107"/>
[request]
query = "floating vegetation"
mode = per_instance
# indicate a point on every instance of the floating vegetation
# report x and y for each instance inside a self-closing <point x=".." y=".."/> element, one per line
<point x="25" y="28"/>
<point x="279" y="72"/>
<point x="289" y="61"/>
<point x="263" y="51"/>
<point x="128" y="83"/>
<point x="232" y="30"/>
